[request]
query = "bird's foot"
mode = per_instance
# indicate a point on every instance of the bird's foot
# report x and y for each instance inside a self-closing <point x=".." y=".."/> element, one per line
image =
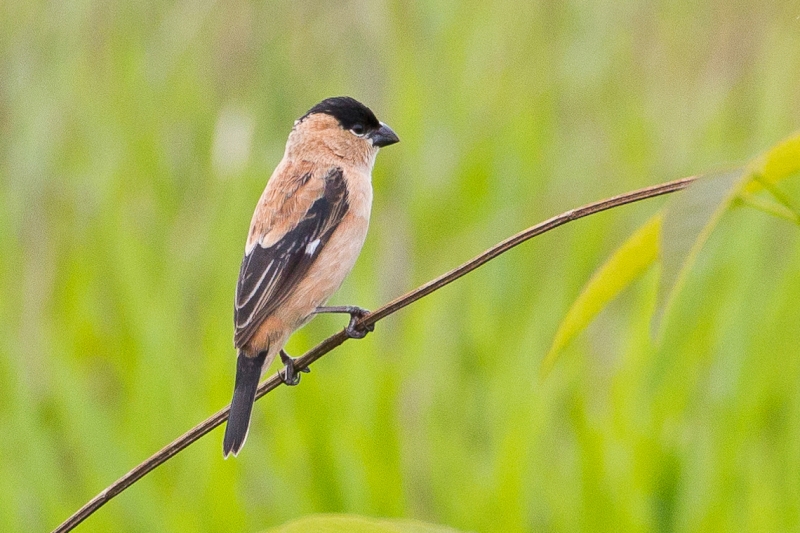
<point x="289" y="374"/>
<point x="358" y="333"/>
<point x="356" y="313"/>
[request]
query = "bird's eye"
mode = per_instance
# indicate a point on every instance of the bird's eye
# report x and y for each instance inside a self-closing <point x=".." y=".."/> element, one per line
<point x="358" y="129"/>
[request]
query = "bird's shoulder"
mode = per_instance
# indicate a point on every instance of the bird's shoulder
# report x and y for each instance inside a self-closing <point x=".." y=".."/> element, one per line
<point x="291" y="191"/>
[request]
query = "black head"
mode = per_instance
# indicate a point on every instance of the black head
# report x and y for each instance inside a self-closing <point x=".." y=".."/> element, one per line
<point x="349" y="112"/>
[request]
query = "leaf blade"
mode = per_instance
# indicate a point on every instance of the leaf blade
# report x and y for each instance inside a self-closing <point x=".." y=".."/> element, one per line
<point x="693" y="214"/>
<point x="778" y="163"/>
<point x="689" y="219"/>
<point x="626" y="264"/>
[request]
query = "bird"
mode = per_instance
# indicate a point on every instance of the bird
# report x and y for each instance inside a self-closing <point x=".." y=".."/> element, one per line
<point x="305" y="235"/>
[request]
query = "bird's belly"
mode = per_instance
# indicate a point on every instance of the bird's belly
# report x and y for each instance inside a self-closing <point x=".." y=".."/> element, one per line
<point x="327" y="273"/>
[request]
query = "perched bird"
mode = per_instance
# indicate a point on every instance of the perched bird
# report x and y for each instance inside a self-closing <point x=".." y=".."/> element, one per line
<point x="305" y="235"/>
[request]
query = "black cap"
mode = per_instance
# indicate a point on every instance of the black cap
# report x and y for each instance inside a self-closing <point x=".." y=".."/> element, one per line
<point x="348" y="111"/>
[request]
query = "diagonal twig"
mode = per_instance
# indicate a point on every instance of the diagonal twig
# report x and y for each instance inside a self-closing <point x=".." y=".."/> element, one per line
<point x="335" y="340"/>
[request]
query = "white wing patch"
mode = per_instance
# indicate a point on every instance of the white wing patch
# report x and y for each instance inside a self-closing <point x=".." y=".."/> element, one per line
<point x="310" y="247"/>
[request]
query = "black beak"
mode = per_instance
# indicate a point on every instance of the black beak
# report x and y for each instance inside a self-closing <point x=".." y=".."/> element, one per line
<point x="383" y="136"/>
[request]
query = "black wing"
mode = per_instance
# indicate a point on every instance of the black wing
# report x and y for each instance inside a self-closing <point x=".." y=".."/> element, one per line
<point x="268" y="275"/>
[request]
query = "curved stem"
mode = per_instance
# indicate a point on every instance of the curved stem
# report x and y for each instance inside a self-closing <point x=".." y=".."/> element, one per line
<point x="333" y="341"/>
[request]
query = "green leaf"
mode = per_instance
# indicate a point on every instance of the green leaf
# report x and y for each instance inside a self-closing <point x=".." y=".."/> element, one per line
<point x="687" y="224"/>
<point x="342" y="523"/>
<point x="692" y="214"/>
<point x="627" y="263"/>
<point x="690" y="217"/>
<point x="777" y="164"/>
<point x="771" y="207"/>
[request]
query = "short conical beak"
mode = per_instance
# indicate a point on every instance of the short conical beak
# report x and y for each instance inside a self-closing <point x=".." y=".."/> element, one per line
<point x="383" y="136"/>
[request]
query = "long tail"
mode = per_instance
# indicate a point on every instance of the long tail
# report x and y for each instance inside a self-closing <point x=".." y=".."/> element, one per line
<point x="248" y="372"/>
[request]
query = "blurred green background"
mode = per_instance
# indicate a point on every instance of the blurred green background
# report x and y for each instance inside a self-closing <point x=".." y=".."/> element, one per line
<point x="135" y="140"/>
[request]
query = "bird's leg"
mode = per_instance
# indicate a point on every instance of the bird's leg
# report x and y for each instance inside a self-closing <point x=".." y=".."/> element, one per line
<point x="356" y="313"/>
<point x="290" y="376"/>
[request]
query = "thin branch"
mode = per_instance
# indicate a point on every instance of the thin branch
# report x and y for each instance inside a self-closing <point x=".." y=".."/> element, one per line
<point x="333" y="341"/>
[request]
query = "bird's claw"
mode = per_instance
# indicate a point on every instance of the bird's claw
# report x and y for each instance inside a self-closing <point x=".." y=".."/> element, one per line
<point x="356" y="314"/>
<point x="289" y="374"/>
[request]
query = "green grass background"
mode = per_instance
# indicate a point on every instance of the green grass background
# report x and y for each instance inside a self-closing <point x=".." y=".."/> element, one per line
<point x="136" y="137"/>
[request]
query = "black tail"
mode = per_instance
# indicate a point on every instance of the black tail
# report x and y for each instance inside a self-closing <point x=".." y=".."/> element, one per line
<point x="248" y="372"/>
